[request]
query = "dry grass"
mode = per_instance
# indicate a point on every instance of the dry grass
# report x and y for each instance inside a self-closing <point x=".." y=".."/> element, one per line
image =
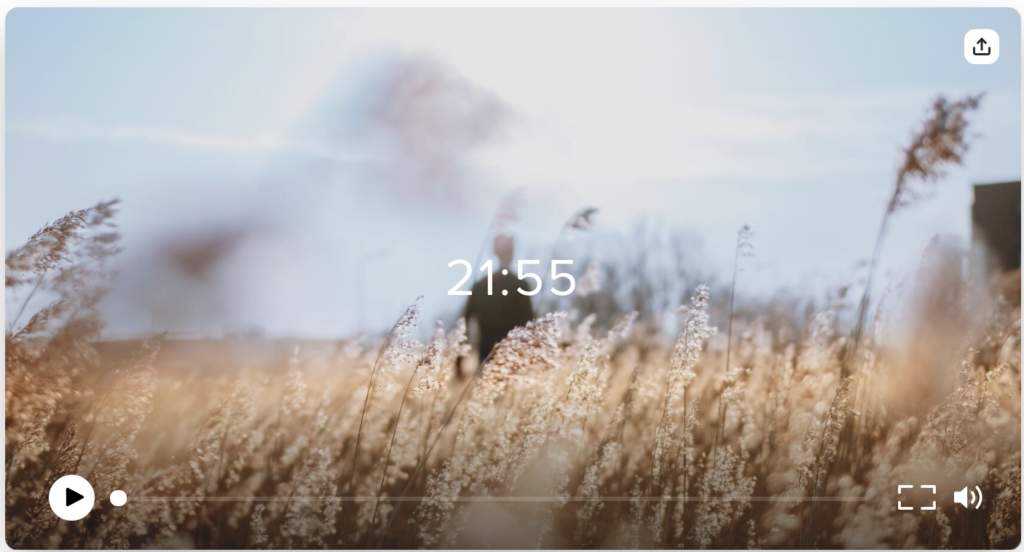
<point x="564" y="437"/>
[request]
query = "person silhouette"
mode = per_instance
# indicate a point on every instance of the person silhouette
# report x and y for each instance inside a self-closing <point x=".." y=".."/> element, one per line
<point x="505" y="308"/>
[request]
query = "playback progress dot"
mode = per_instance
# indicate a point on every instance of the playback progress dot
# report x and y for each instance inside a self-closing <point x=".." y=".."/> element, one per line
<point x="504" y="272"/>
<point x="118" y="498"/>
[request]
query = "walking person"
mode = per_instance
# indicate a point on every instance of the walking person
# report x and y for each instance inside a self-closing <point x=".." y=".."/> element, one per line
<point x="505" y="308"/>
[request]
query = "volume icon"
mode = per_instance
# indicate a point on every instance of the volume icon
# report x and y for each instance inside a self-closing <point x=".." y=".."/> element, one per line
<point x="967" y="498"/>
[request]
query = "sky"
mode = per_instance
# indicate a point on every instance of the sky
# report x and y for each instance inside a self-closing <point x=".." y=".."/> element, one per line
<point x="333" y="162"/>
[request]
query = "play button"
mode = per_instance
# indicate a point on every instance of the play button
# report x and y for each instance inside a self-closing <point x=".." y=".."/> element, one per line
<point x="71" y="498"/>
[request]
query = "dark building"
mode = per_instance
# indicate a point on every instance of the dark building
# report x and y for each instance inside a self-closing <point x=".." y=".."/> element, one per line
<point x="996" y="224"/>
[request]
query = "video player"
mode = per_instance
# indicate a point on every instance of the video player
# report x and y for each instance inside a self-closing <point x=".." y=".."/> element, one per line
<point x="513" y="278"/>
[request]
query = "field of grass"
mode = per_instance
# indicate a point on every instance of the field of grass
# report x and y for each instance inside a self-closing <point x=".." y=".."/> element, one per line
<point x="780" y="429"/>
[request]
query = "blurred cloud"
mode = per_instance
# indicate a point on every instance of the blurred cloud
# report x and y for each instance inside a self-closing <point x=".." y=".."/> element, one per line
<point x="188" y="277"/>
<point x="198" y="256"/>
<point x="424" y="120"/>
<point x="410" y="123"/>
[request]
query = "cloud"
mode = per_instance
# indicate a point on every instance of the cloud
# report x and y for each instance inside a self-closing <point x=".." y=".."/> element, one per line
<point x="421" y="129"/>
<point x="756" y="136"/>
<point x="408" y="125"/>
<point x="263" y="143"/>
<point x="425" y="119"/>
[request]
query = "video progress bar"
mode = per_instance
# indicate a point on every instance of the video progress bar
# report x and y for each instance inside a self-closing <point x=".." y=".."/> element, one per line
<point x="494" y="499"/>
